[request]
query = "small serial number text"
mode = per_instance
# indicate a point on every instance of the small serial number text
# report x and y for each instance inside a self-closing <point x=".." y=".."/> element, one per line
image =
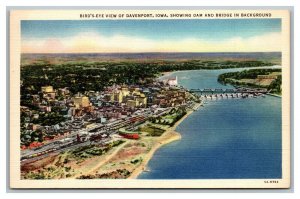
<point x="271" y="181"/>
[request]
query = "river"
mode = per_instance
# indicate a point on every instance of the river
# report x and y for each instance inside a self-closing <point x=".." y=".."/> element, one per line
<point x="225" y="139"/>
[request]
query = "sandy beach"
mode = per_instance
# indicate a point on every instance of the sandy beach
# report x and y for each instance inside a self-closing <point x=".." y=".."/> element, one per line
<point x="169" y="136"/>
<point x="101" y="161"/>
<point x="166" y="73"/>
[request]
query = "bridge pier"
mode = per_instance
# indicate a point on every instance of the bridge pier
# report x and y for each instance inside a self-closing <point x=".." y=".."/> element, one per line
<point x="229" y="93"/>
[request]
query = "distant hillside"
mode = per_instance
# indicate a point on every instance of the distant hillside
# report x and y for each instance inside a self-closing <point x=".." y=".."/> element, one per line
<point x="26" y="59"/>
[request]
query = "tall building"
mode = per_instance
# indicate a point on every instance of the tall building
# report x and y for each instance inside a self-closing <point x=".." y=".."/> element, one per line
<point x="125" y="91"/>
<point x="142" y="101"/>
<point x="47" y="89"/>
<point x="81" y="101"/>
<point x="117" y="96"/>
<point x="132" y="103"/>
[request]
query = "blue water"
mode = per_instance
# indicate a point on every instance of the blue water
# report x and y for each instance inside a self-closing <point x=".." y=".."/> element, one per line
<point x="225" y="139"/>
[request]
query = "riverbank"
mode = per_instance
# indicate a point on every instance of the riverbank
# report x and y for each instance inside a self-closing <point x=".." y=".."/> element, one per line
<point x="133" y="157"/>
<point x="169" y="136"/>
<point x="216" y="131"/>
<point x="274" y="95"/>
<point x="162" y="74"/>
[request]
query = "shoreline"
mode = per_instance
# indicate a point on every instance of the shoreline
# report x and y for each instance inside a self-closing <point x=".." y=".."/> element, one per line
<point x="245" y="68"/>
<point x="274" y="95"/>
<point x="171" y="134"/>
<point x="165" y="140"/>
<point x="137" y="171"/>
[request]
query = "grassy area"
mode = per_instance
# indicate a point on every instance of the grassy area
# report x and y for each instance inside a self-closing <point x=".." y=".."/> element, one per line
<point x="117" y="174"/>
<point x="171" y="118"/>
<point x="136" y="161"/>
<point x="151" y="130"/>
<point x="61" y="167"/>
<point x="58" y="170"/>
<point x="253" y="79"/>
<point x="93" y="150"/>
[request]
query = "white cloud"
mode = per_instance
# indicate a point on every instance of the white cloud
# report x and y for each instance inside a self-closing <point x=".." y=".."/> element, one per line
<point x="92" y="42"/>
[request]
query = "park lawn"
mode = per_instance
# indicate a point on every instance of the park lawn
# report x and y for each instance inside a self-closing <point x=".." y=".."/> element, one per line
<point x="151" y="130"/>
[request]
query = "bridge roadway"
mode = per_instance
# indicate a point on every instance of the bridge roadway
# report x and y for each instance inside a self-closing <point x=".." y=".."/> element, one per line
<point x="231" y="91"/>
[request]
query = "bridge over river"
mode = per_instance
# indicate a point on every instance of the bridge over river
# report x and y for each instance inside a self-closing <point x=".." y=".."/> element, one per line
<point x="229" y="93"/>
<point x="235" y="90"/>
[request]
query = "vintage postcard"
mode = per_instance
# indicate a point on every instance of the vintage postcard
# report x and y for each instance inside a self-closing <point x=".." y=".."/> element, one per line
<point x="149" y="99"/>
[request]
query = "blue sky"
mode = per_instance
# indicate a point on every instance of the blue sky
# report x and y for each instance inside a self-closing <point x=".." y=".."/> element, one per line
<point x="214" y="30"/>
<point x="154" y="29"/>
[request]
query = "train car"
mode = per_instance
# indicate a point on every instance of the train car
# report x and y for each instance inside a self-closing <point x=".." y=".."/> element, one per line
<point x="134" y="136"/>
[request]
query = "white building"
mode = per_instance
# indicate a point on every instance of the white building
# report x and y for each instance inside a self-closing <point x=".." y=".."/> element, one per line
<point x="172" y="81"/>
